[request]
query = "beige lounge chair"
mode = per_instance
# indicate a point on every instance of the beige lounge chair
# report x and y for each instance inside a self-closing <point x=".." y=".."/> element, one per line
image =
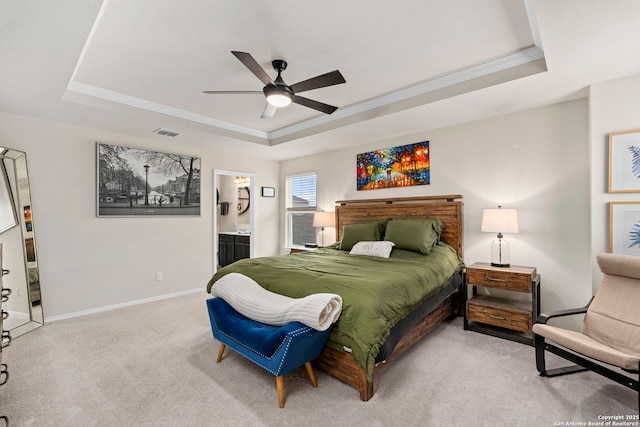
<point x="610" y="336"/>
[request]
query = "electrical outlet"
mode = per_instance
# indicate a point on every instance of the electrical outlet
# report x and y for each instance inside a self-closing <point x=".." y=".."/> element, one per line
<point x="159" y="276"/>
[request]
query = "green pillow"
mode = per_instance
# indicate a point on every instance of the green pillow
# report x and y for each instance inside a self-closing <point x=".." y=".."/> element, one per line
<point x="414" y="234"/>
<point x="361" y="232"/>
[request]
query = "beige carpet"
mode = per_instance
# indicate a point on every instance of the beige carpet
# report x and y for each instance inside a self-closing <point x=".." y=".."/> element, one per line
<point x="154" y="365"/>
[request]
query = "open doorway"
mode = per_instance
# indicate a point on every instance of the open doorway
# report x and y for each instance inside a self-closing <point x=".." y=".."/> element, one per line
<point x="233" y="217"/>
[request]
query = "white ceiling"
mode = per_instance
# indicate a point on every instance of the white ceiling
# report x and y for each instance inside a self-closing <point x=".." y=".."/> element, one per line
<point x="410" y="66"/>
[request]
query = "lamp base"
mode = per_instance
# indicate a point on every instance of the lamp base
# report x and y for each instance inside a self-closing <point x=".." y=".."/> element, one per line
<point x="500" y="252"/>
<point x="493" y="264"/>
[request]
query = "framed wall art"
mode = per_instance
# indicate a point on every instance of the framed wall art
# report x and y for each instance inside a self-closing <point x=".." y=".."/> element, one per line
<point x="137" y="182"/>
<point x="402" y="166"/>
<point x="624" y="162"/>
<point x="268" y="192"/>
<point x="624" y="228"/>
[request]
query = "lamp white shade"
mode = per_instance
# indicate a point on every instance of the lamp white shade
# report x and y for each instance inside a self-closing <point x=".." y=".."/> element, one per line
<point x="500" y="220"/>
<point x="323" y="219"/>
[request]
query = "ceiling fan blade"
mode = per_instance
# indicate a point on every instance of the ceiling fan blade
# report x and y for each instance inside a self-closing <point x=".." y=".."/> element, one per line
<point x="253" y="66"/>
<point x="233" y="92"/>
<point x="328" y="79"/>
<point x="325" y="108"/>
<point x="269" y="111"/>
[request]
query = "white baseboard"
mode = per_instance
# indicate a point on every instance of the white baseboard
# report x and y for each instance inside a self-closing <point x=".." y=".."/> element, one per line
<point x="116" y="306"/>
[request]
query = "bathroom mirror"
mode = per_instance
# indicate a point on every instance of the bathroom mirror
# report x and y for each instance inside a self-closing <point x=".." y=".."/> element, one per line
<point x="17" y="235"/>
<point x="244" y="201"/>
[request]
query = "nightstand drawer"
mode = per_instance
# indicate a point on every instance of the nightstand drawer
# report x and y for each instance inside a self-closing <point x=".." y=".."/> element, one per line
<point x="500" y="279"/>
<point x="484" y="310"/>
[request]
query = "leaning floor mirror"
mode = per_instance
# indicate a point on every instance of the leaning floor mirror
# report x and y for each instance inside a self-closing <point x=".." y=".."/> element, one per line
<point x="21" y="302"/>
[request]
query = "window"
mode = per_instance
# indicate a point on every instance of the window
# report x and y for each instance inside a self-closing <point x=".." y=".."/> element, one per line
<point x="301" y="204"/>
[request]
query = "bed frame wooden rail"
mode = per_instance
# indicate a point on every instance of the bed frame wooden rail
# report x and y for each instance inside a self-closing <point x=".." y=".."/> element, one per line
<point x="449" y="209"/>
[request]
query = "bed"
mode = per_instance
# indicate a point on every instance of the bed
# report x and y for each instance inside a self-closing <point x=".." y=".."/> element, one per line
<point x="419" y="284"/>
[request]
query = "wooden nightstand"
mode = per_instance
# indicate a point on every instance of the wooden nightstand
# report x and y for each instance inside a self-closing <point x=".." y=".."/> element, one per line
<point x="502" y="316"/>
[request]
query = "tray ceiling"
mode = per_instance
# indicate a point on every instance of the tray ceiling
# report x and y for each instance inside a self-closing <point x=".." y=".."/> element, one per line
<point x="135" y="67"/>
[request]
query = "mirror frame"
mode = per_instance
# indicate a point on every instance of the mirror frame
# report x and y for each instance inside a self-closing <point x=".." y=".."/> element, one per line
<point x="244" y="203"/>
<point x="23" y="210"/>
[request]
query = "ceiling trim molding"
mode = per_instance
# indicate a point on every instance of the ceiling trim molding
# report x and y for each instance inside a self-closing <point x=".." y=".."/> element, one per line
<point x="533" y="23"/>
<point x="376" y="107"/>
<point x="121" y="98"/>
<point x="493" y="72"/>
<point x="399" y="98"/>
<point x="87" y="43"/>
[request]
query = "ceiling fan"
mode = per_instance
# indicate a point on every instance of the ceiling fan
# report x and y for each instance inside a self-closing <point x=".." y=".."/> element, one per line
<point x="278" y="93"/>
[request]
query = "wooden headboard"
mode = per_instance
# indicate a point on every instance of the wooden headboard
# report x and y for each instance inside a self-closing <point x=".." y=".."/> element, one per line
<point x="448" y="208"/>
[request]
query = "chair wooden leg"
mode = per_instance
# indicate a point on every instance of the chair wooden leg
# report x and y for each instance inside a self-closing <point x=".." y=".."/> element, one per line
<point x="222" y="347"/>
<point x="312" y="377"/>
<point x="280" y="387"/>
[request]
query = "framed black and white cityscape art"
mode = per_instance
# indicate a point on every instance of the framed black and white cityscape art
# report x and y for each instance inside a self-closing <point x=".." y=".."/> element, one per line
<point x="138" y="182"/>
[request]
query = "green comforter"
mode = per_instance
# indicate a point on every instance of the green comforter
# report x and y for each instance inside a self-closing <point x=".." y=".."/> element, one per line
<point x="376" y="292"/>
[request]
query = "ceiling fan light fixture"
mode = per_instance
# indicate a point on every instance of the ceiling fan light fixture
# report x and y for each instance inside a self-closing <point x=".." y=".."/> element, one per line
<point x="278" y="97"/>
<point x="279" y="100"/>
<point x="278" y="94"/>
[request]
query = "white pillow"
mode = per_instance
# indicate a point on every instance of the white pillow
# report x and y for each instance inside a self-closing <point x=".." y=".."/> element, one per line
<point x="381" y="249"/>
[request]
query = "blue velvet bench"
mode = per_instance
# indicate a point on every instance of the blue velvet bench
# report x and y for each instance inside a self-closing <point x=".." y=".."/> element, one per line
<point x="278" y="349"/>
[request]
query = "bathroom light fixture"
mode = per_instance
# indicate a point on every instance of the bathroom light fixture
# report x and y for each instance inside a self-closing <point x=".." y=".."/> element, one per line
<point x="242" y="181"/>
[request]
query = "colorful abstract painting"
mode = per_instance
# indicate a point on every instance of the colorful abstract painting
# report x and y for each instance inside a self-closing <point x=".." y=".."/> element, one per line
<point x="402" y="166"/>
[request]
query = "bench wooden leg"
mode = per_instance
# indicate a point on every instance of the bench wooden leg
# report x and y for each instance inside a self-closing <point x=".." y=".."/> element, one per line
<point x="280" y="387"/>
<point x="312" y="377"/>
<point x="222" y="347"/>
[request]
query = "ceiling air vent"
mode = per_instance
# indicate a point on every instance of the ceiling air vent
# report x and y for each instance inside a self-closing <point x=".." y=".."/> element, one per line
<point x="166" y="132"/>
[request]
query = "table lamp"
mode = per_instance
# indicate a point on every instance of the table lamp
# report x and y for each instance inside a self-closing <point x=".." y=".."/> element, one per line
<point x="322" y="220"/>
<point x="500" y="221"/>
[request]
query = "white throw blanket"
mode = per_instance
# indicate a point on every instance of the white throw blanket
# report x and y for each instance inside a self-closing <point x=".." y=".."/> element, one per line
<point x="244" y="294"/>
